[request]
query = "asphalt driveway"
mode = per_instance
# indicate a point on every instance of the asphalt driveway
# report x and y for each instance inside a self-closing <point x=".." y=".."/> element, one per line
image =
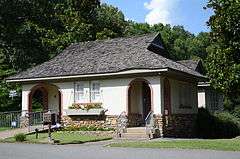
<point x="98" y="151"/>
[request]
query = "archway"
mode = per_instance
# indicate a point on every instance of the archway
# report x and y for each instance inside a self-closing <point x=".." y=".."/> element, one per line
<point x="38" y="99"/>
<point x="48" y="97"/>
<point x="139" y="102"/>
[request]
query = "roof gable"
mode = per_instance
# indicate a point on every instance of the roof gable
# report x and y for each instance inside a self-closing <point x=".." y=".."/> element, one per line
<point x="157" y="46"/>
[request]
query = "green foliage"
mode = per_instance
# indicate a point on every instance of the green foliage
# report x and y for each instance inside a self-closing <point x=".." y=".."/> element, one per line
<point x="221" y="125"/>
<point x="33" y="32"/>
<point x="236" y="112"/>
<point x="110" y="22"/>
<point x="20" y="137"/>
<point x="181" y="44"/>
<point x="7" y="103"/>
<point x="223" y="63"/>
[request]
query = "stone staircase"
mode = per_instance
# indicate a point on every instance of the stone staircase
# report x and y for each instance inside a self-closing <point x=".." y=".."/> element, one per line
<point x="135" y="133"/>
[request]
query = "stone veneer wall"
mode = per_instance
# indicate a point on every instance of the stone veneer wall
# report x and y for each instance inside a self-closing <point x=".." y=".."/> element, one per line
<point x="177" y="125"/>
<point x="109" y="121"/>
<point x="24" y="122"/>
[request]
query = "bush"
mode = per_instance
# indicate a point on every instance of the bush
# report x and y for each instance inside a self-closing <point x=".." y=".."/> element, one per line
<point x="20" y="137"/>
<point x="236" y="112"/>
<point x="227" y="126"/>
<point x="221" y="125"/>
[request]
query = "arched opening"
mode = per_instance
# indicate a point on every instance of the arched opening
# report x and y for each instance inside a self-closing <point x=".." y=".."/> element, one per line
<point x="167" y="97"/>
<point x="38" y="99"/>
<point x="44" y="97"/>
<point x="139" y="102"/>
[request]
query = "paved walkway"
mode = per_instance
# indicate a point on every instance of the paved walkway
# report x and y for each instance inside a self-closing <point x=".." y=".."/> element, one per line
<point x="99" y="151"/>
<point x="12" y="132"/>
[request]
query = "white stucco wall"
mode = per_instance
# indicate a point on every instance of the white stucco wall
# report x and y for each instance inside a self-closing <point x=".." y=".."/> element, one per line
<point x="53" y="99"/>
<point x="25" y="92"/>
<point x="201" y="99"/>
<point x="114" y="94"/>
<point x="175" y="97"/>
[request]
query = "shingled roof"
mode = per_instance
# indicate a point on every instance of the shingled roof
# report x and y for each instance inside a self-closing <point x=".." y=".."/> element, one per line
<point x="104" y="56"/>
<point x="195" y="65"/>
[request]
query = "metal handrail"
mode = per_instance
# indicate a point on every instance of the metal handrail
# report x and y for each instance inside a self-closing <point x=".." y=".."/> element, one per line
<point x="121" y="123"/>
<point x="150" y="125"/>
<point x="149" y="115"/>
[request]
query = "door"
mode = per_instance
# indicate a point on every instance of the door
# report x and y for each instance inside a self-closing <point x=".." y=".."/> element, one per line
<point x="146" y="99"/>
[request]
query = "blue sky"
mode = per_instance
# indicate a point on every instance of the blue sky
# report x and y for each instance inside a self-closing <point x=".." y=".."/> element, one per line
<point x="189" y="13"/>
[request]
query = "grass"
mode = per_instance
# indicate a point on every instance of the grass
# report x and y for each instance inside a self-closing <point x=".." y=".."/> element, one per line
<point x="4" y="128"/>
<point x="64" y="137"/>
<point x="220" y="144"/>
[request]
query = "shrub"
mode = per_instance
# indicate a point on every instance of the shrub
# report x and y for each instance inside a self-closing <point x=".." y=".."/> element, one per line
<point x="20" y="137"/>
<point x="227" y="126"/>
<point x="220" y="125"/>
<point x="236" y="112"/>
<point x="204" y="123"/>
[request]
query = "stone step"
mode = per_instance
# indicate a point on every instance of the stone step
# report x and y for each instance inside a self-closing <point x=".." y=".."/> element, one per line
<point x="135" y="135"/>
<point x="136" y="130"/>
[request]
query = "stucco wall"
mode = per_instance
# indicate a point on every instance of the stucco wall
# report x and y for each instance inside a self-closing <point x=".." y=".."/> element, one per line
<point x="25" y="92"/>
<point x="201" y="99"/>
<point x="114" y="94"/>
<point x="175" y="97"/>
<point x="53" y="99"/>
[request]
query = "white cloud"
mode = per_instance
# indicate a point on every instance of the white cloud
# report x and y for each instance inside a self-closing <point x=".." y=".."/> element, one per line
<point x="160" y="11"/>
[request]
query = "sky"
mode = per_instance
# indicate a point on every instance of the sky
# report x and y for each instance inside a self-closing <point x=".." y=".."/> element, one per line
<point x="188" y="13"/>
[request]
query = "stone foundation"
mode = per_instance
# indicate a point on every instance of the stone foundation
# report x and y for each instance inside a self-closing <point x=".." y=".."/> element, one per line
<point x="95" y="133"/>
<point x="177" y="125"/>
<point x="24" y="122"/>
<point x="96" y="121"/>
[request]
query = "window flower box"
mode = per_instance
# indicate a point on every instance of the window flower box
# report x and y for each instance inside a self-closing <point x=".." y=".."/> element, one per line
<point x="78" y="112"/>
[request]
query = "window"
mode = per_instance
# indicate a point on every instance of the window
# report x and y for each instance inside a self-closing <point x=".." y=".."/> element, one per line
<point x="95" y="92"/>
<point x="87" y="92"/>
<point x="79" y="92"/>
<point x="185" y="95"/>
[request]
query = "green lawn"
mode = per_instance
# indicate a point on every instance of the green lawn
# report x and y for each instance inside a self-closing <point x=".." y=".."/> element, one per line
<point x="64" y="137"/>
<point x="223" y="144"/>
<point x="4" y="128"/>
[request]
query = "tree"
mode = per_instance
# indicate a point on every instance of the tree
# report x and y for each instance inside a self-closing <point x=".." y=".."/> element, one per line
<point x="110" y="22"/>
<point x="223" y="62"/>
<point x="32" y="32"/>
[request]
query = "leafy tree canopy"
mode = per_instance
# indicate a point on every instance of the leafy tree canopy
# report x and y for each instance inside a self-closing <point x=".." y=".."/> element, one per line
<point x="32" y="32"/>
<point x="223" y="62"/>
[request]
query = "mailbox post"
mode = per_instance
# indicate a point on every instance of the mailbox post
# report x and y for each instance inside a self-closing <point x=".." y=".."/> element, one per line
<point x="47" y="120"/>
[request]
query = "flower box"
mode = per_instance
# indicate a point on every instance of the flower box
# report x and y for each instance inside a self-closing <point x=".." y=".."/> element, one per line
<point x="78" y="112"/>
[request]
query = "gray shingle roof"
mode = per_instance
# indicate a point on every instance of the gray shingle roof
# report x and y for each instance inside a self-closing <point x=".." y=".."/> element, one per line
<point x="190" y="63"/>
<point x="195" y="65"/>
<point x="104" y="56"/>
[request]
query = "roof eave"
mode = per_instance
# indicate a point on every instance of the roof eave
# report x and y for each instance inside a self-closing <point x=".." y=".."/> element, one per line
<point x="21" y="80"/>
